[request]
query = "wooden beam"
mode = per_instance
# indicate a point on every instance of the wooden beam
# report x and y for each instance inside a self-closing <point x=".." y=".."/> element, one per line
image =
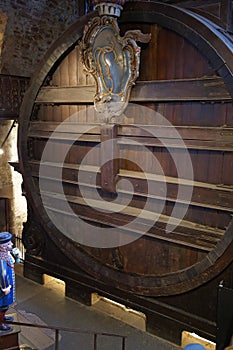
<point x="66" y="95"/>
<point x="191" y="3"/>
<point x="204" y="195"/>
<point x="62" y="136"/>
<point x="109" y="157"/>
<point x="203" y="89"/>
<point x="64" y="127"/>
<point x="186" y="234"/>
<point x="223" y="134"/>
<point x="203" y="138"/>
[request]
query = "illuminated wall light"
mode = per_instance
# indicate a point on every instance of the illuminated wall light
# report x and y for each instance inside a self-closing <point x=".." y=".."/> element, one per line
<point x="1" y="151"/>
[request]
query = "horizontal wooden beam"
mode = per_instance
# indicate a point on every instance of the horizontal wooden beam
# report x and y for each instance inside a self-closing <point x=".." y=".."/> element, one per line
<point x="205" y="195"/>
<point x="186" y="234"/>
<point x="202" y="138"/>
<point x="203" y="89"/>
<point x="194" y="3"/>
<point x="191" y="3"/>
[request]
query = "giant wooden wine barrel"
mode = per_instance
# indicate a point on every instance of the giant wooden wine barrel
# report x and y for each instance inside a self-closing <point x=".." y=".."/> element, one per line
<point x="171" y="230"/>
<point x="179" y="118"/>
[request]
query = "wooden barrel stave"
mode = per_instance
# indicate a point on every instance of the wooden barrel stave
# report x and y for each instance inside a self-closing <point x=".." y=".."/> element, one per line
<point x="204" y="123"/>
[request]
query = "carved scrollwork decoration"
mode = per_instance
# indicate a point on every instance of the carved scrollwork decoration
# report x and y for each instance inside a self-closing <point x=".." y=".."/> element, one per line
<point x="113" y="61"/>
<point x="32" y="236"/>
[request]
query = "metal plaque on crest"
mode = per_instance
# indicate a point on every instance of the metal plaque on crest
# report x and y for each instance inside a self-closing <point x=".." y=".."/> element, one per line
<point x="112" y="60"/>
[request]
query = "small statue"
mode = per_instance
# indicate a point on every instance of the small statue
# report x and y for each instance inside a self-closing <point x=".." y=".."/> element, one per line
<point x="7" y="278"/>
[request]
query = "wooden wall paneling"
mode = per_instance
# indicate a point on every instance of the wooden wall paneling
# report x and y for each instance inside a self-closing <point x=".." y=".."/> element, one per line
<point x="180" y="59"/>
<point x="56" y="77"/>
<point x="149" y="54"/>
<point x="163" y="60"/>
<point x="73" y="68"/>
<point x="79" y="150"/>
<point x="209" y="217"/>
<point x="227" y="169"/>
<point x="40" y="114"/>
<point x="56" y="81"/>
<point x="229" y="114"/>
<point x="73" y="78"/>
<point x="37" y="146"/>
<point x="82" y="74"/>
<point x="49" y="112"/>
<point x="166" y="55"/>
<point x="175" y="51"/>
<point x="91" y="115"/>
<point x="212" y="114"/>
<point x="178" y="113"/>
<point x="64" y="81"/>
<point x="192" y="114"/>
<point x="82" y="80"/>
<point x="215" y="166"/>
<point x="219" y="114"/>
<point x="152" y="256"/>
<point x="200" y="161"/>
<point x="55" y="150"/>
<point x="129" y="153"/>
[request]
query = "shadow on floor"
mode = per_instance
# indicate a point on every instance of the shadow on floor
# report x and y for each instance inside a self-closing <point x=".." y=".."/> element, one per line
<point x="47" y="305"/>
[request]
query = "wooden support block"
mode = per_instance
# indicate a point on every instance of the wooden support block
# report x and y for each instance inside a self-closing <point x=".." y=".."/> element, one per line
<point x="79" y="293"/>
<point x="192" y="338"/>
<point x="33" y="273"/>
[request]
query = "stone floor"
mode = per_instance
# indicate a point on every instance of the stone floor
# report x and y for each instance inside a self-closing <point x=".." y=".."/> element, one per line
<point x="47" y="305"/>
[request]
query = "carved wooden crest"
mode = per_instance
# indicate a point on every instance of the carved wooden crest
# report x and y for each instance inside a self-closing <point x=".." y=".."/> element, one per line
<point x="114" y="63"/>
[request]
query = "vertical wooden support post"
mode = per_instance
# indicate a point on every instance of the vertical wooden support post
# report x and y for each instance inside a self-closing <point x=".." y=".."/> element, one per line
<point x="224" y="317"/>
<point x="95" y="342"/>
<point x="109" y="157"/>
<point x="123" y="343"/>
<point x="56" y="339"/>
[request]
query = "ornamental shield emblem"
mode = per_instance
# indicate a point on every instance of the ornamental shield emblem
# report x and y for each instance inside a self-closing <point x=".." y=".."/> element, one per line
<point x="112" y="60"/>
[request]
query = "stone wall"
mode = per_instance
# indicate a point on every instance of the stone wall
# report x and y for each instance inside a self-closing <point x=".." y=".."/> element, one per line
<point x="3" y="22"/>
<point x="11" y="181"/>
<point x="32" y="26"/>
<point x="27" y="29"/>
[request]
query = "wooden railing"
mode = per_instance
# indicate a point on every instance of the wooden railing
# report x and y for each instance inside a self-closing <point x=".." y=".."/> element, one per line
<point x="57" y="331"/>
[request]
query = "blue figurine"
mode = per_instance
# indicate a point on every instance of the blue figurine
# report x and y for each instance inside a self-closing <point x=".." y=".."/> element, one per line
<point x="7" y="279"/>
